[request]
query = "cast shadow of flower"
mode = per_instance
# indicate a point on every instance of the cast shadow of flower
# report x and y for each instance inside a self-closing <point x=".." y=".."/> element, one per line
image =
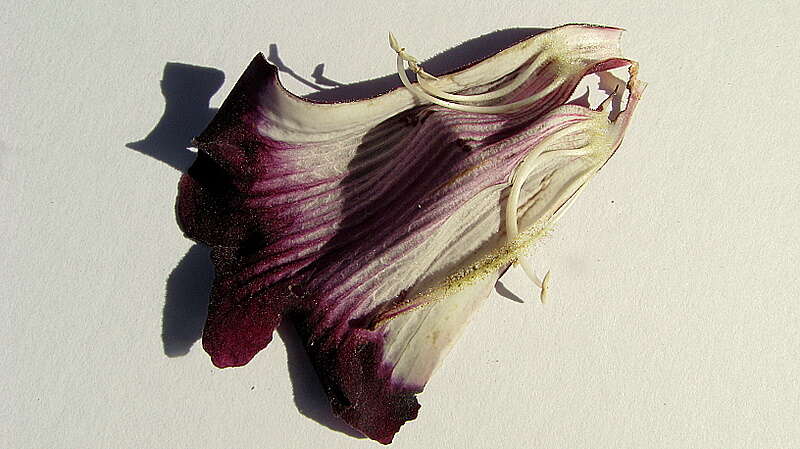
<point x="187" y="91"/>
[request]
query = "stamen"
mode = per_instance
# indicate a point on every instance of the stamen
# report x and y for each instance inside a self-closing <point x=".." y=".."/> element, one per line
<point x="518" y="81"/>
<point x="435" y="95"/>
<point x="426" y="90"/>
<point x="545" y="287"/>
<point x="521" y="174"/>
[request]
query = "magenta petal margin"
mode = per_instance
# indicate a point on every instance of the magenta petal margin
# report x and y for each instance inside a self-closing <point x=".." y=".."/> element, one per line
<point x="330" y="214"/>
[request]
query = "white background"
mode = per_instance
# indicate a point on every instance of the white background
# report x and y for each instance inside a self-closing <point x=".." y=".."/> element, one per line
<point x="674" y="319"/>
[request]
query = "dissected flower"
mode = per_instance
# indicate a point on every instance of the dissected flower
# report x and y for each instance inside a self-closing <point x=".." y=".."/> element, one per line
<point x="380" y="226"/>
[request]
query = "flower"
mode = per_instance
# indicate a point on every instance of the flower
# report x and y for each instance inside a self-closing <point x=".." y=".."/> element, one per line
<point x="380" y="226"/>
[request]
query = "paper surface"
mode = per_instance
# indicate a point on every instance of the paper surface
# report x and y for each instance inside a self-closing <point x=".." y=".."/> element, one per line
<point x="673" y="319"/>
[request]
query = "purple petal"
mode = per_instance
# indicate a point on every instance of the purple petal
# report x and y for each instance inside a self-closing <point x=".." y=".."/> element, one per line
<point x="378" y="226"/>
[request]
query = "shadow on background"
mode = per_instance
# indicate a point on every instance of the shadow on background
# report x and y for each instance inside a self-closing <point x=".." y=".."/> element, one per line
<point x="187" y="91"/>
<point x="186" y="305"/>
<point x="503" y="291"/>
<point x="309" y="396"/>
